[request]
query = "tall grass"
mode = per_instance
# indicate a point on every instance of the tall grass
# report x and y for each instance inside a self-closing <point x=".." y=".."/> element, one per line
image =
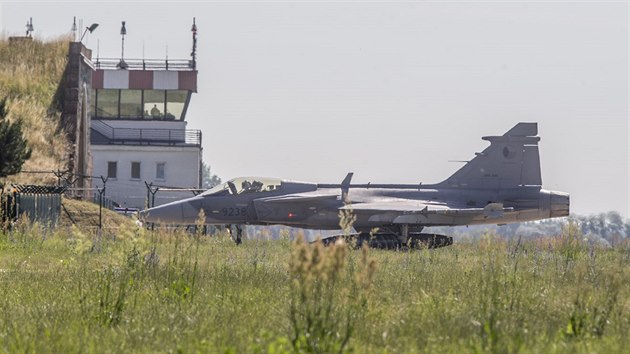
<point x="329" y="295"/>
<point x="168" y="291"/>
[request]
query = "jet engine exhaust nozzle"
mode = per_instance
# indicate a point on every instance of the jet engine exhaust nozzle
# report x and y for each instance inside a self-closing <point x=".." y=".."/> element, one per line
<point x="559" y="204"/>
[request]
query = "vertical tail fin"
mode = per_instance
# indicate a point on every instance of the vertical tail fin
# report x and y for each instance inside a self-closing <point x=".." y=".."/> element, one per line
<point x="511" y="160"/>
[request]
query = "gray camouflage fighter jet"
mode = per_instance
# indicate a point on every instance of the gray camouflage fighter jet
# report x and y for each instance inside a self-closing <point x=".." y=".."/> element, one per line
<point x="502" y="184"/>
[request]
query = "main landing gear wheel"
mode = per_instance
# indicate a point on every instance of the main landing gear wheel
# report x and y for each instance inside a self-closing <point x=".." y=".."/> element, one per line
<point x="392" y="241"/>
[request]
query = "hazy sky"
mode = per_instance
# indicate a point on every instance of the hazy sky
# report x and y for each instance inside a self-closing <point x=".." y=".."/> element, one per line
<point x="389" y="90"/>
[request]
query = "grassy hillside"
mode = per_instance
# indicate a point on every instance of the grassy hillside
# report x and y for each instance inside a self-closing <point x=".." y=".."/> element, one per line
<point x="67" y="291"/>
<point x="86" y="215"/>
<point x="30" y="72"/>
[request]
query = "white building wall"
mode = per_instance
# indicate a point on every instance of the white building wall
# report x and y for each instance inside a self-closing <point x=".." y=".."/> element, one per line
<point x="182" y="169"/>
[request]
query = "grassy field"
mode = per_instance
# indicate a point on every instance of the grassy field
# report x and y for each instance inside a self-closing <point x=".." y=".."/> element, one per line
<point x="166" y="291"/>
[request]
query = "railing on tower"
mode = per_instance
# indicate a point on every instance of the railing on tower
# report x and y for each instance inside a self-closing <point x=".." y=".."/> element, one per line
<point x="142" y="136"/>
<point x="146" y="64"/>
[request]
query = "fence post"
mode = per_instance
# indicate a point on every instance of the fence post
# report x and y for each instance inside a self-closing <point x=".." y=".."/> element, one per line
<point x="151" y="196"/>
<point x="101" y="192"/>
<point x="59" y="174"/>
<point x="148" y="185"/>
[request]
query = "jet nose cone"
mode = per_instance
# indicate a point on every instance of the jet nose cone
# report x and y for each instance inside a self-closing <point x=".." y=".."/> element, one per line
<point x="161" y="214"/>
<point x="181" y="212"/>
<point x="560" y="203"/>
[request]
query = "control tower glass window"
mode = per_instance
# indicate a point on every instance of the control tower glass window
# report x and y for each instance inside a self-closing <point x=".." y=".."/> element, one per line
<point x="130" y="103"/>
<point x="175" y="103"/>
<point x="107" y="104"/>
<point x="154" y="103"/>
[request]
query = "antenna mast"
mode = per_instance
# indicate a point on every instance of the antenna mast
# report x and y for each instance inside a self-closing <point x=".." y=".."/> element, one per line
<point x="194" y="48"/>
<point x="74" y="28"/>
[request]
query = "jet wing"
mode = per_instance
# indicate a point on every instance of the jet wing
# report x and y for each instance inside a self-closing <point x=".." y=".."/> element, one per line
<point x="423" y="211"/>
<point x="302" y="197"/>
<point x="274" y="209"/>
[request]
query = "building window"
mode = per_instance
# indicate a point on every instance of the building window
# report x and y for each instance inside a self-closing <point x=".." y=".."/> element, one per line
<point x="154" y="103"/>
<point x="112" y="169"/>
<point x="131" y="104"/>
<point x="107" y="103"/>
<point x="135" y="170"/>
<point x="175" y="103"/>
<point x="159" y="170"/>
<point x="139" y="104"/>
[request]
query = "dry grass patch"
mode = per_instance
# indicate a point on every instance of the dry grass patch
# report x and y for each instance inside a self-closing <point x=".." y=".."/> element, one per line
<point x="30" y="72"/>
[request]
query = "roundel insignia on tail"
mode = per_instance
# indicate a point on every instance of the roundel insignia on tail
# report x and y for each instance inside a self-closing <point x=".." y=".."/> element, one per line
<point x="488" y="170"/>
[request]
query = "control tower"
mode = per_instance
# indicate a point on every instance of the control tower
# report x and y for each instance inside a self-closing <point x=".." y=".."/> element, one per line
<point x="139" y="130"/>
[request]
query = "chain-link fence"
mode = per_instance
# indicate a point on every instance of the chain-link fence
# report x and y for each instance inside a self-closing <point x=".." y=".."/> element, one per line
<point x="38" y="203"/>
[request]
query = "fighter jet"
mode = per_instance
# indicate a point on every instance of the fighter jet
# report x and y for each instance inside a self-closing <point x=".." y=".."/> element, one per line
<point x="502" y="184"/>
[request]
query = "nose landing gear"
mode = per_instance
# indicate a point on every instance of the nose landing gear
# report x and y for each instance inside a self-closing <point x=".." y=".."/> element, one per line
<point x="236" y="236"/>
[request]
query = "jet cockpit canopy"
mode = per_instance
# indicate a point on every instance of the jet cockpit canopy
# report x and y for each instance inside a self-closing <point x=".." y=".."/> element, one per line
<point x="243" y="185"/>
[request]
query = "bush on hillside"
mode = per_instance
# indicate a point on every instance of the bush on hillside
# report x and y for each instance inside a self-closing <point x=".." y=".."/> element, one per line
<point x="15" y="150"/>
